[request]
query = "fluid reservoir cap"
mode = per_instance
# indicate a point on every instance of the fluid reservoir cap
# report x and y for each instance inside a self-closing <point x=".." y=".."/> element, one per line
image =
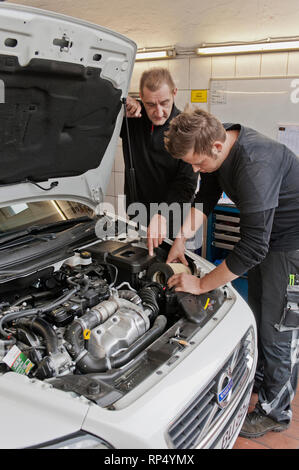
<point x="93" y="388"/>
<point x="85" y="254"/>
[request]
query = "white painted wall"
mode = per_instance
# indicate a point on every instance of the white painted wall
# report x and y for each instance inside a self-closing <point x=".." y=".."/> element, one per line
<point x="195" y="73"/>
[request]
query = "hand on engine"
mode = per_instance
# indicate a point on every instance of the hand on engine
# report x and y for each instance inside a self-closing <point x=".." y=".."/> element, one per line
<point x="156" y="232"/>
<point x="177" y="252"/>
<point x="184" y="282"/>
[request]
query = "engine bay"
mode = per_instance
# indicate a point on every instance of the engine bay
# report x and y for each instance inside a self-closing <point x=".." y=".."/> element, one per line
<point x="101" y="322"/>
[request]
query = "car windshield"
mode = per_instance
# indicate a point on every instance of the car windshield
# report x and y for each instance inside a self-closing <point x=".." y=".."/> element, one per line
<point x="20" y="216"/>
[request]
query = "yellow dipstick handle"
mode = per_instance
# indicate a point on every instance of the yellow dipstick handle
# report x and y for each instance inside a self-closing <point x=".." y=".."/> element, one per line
<point x="86" y="334"/>
<point x="207" y="303"/>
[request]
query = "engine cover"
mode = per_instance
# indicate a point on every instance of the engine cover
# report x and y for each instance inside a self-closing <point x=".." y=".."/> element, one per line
<point x="120" y="331"/>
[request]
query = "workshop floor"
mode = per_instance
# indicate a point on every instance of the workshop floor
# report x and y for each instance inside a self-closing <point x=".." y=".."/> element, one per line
<point x="288" y="439"/>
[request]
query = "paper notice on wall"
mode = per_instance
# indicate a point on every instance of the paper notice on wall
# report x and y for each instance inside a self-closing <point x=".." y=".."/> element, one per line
<point x="219" y="92"/>
<point x="288" y="134"/>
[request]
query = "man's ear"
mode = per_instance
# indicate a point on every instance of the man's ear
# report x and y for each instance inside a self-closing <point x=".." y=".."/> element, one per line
<point x="174" y="92"/>
<point x="217" y="147"/>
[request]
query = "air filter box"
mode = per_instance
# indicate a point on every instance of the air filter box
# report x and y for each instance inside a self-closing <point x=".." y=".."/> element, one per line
<point x="130" y="260"/>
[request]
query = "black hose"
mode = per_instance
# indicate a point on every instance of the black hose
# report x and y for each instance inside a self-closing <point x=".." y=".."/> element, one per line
<point x="129" y="295"/>
<point x="149" y="295"/>
<point x="32" y="297"/>
<point x="74" y="281"/>
<point x="139" y="345"/>
<point x="34" y="311"/>
<point x="42" y="328"/>
<point x="88" y="363"/>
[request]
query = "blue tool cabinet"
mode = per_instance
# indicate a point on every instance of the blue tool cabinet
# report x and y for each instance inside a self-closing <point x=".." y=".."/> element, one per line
<point x="223" y="231"/>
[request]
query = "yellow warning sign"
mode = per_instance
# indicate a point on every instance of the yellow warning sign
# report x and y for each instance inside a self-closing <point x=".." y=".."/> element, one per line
<point x="199" y="96"/>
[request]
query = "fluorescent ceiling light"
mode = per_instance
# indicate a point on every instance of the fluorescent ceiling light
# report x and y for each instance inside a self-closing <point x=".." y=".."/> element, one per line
<point x="247" y="48"/>
<point x="150" y="54"/>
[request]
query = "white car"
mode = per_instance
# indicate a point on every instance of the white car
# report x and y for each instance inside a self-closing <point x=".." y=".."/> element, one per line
<point x="95" y="351"/>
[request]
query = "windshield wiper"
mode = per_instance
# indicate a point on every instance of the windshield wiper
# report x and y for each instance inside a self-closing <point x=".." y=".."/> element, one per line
<point x="27" y="239"/>
<point x="34" y="231"/>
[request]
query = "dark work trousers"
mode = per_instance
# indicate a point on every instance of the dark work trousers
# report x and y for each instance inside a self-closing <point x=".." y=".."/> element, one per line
<point x="277" y="345"/>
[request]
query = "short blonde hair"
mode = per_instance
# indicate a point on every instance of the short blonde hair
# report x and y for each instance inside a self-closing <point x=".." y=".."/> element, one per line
<point x="154" y="78"/>
<point x="195" y="129"/>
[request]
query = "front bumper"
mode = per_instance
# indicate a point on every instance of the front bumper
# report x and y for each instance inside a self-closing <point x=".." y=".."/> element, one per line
<point x="142" y="419"/>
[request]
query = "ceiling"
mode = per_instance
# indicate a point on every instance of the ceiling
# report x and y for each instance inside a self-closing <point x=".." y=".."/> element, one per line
<point x="184" y="23"/>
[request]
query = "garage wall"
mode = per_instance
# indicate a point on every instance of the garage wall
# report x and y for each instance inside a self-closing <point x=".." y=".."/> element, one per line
<point x="194" y="73"/>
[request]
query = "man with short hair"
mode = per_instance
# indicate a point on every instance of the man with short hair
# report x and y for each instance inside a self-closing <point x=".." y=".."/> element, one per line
<point x="261" y="177"/>
<point x="159" y="177"/>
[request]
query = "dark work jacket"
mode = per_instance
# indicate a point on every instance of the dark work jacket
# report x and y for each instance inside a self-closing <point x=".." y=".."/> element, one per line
<point x="261" y="176"/>
<point x="159" y="176"/>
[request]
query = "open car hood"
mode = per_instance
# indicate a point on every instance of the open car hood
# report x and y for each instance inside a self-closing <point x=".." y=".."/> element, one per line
<point x="62" y="81"/>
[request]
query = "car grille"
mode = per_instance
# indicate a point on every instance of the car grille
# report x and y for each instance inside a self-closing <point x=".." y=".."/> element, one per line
<point x="204" y="411"/>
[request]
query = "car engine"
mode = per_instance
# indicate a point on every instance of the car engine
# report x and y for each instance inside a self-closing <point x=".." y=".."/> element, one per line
<point x="101" y="321"/>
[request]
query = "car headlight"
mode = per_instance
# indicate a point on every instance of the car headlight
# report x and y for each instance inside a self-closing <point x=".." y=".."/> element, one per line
<point x="79" y="440"/>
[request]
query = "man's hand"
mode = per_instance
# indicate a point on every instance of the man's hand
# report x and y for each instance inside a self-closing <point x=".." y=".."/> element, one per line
<point x="219" y="276"/>
<point x="177" y="252"/>
<point x="156" y="232"/>
<point x="133" y="107"/>
<point x="185" y="283"/>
